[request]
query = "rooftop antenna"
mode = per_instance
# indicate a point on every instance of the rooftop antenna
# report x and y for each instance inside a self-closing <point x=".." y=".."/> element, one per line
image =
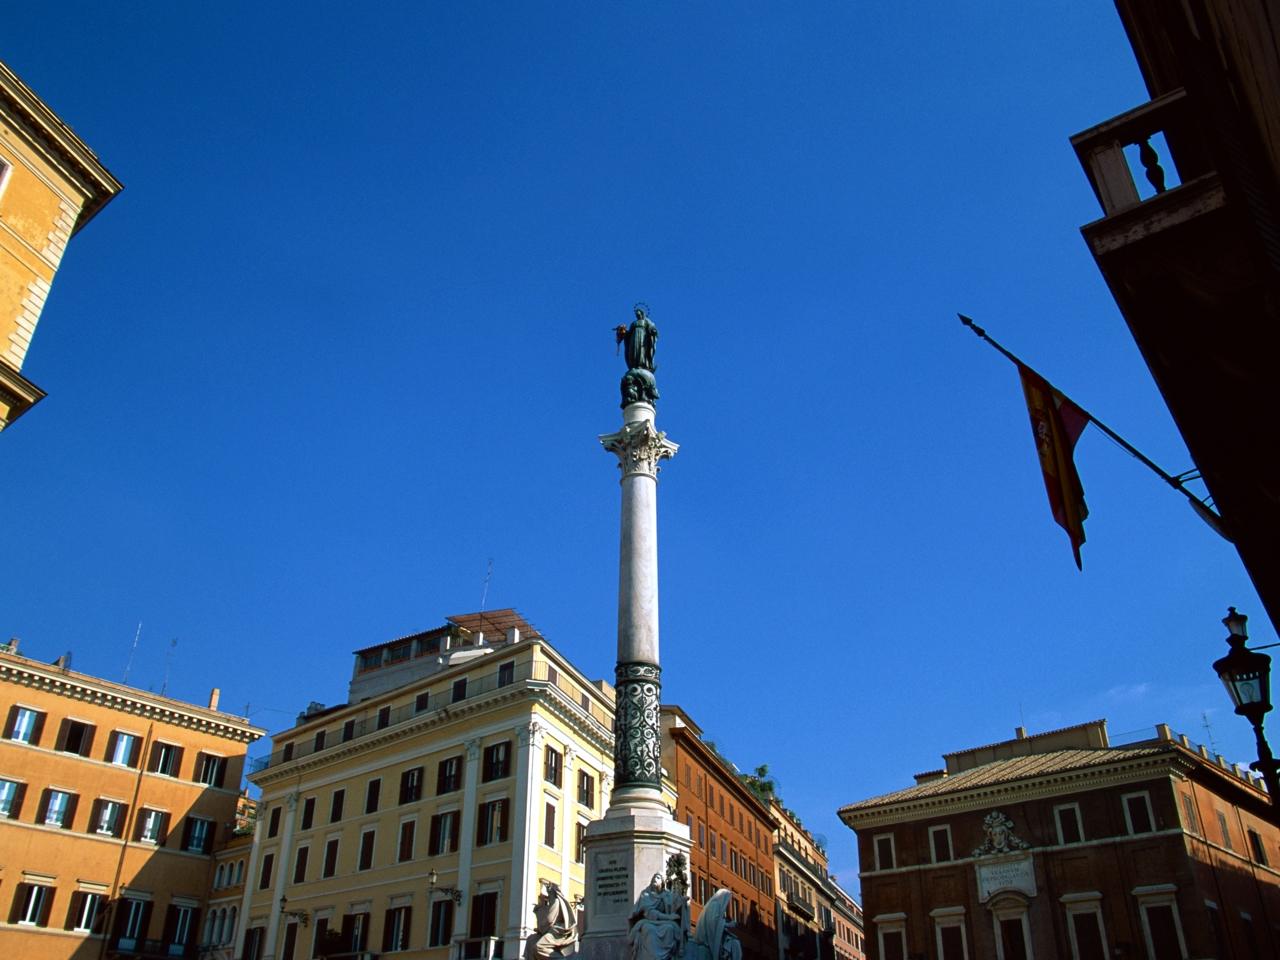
<point x="168" y="662"/>
<point x="1208" y="731"/>
<point x="484" y="594"/>
<point x="132" y="650"/>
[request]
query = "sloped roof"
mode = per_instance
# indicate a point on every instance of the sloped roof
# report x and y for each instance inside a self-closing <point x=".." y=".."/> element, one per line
<point x="1009" y="771"/>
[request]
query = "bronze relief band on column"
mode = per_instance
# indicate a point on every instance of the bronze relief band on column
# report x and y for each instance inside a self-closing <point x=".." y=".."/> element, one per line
<point x="637" y="747"/>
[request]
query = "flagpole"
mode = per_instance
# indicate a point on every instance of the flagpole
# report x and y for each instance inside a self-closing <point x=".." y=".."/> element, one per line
<point x="1199" y="506"/>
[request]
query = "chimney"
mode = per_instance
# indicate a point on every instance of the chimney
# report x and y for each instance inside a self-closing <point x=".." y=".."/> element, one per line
<point x="1020" y="732"/>
<point x="214" y="696"/>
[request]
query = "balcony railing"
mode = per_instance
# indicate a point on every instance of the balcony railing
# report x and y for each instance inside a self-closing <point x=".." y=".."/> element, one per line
<point x="535" y="672"/>
<point x="1101" y="150"/>
<point x="802" y="907"/>
<point x="149" y="949"/>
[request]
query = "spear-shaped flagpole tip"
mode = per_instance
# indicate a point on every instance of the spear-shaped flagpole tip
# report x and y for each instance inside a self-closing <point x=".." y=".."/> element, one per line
<point x="968" y="322"/>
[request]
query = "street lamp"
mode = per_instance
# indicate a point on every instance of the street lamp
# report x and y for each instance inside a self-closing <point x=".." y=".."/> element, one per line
<point x="453" y="892"/>
<point x="1247" y="676"/>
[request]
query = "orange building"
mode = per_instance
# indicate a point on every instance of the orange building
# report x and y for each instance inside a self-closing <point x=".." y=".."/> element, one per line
<point x="51" y="184"/>
<point x="111" y="802"/>
<point x="732" y="833"/>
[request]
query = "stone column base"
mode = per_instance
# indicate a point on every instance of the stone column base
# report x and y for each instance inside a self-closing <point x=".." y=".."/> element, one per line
<point x="623" y="851"/>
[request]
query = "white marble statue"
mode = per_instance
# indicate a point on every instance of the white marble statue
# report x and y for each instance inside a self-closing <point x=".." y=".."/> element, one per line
<point x="557" y="925"/>
<point x="714" y="939"/>
<point x="659" y="923"/>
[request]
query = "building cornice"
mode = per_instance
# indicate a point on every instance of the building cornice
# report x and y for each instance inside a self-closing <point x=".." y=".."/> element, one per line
<point x="79" y="686"/>
<point x="1133" y="770"/>
<point x="17" y="392"/>
<point x="58" y="144"/>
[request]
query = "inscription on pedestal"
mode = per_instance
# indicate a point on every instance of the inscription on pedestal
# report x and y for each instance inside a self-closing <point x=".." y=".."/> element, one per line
<point x="612" y="893"/>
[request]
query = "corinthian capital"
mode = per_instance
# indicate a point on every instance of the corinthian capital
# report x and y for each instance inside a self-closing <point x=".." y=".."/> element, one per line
<point x="640" y="447"/>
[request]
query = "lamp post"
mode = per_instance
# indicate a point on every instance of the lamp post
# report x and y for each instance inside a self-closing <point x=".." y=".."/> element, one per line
<point x="452" y="892"/>
<point x="1247" y="676"/>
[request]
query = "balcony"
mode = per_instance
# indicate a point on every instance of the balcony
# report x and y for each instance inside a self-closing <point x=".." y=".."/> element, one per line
<point x="801" y="907"/>
<point x="149" y="949"/>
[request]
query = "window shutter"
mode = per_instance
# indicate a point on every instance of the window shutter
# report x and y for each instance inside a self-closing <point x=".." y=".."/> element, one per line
<point x="134" y="751"/>
<point x="122" y="819"/>
<point x="177" y="762"/>
<point x="139" y="824"/>
<point x="86" y="741"/>
<point x="19" y="894"/>
<point x="405" y="928"/>
<point x="502" y="820"/>
<point x="164" y="830"/>
<point x="43" y="810"/>
<point x="46" y="907"/>
<point x="61" y="742"/>
<point x="11" y="721"/>
<point x="187" y="827"/>
<point x="37" y="729"/>
<point x="198" y="773"/>
<point x="208" y="837"/>
<point x="387" y="944"/>
<point x="220" y="771"/>
<point x="348" y="931"/>
<point x="154" y="763"/>
<point x="95" y="816"/>
<point x="99" y="924"/>
<point x="170" y="924"/>
<point x="111" y="746"/>
<point x="480" y="824"/>
<point x="73" y="910"/>
<point x="145" y="926"/>
<point x="69" y="818"/>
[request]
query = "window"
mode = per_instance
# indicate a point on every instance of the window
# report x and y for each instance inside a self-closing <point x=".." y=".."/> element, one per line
<point x="420" y="701"/>
<point x="108" y="817"/>
<point x="286" y="753"/>
<point x="492" y="824"/>
<point x="365" y="860"/>
<point x="579" y="845"/>
<point x="549" y="826"/>
<point x="166" y="758"/>
<point x="395" y="929"/>
<point x="405" y="848"/>
<point x="273" y="822"/>
<point x="58" y="809"/>
<point x="507" y="673"/>
<point x="300" y="864"/>
<point x="940" y="843"/>
<point x="1012" y="931"/>
<point x="335" y="805"/>
<point x="459" y="690"/>
<point x="31" y="904"/>
<point x="1068" y="818"/>
<point x="384" y="717"/>
<point x="1161" y="927"/>
<point x="152" y="826"/>
<point x="132" y="919"/>
<point x="399" y="652"/>
<point x="318" y="741"/>
<point x="85" y="913"/>
<point x="348" y="730"/>
<point x="1084" y="927"/>
<point x="1223" y="829"/>
<point x="197" y="835"/>
<point x="893" y="937"/>
<point x="355" y="932"/>
<point x="449" y="775"/>
<point x="211" y="769"/>
<point x="883" y="849"/>
<point x="586" y="789"/>
<point x="268" y="864"/>
<point x="497" y="761"/>
<point x="552" y="765"/>
<point x="330" y="866"/>
<point x="178" y="923"/>
<point x="123" y="748"/>
<point x="411" y="785"/>
<point x="444" y="833"/>
<point x="1255" y="844"/>
<point x="484" y="915"/>
<point x="24" y="725"/>
<point x="441" y="929"/>
<point x="371" y="792"/>
<point x="1189" y="814"/>
<point x="1137" y="812"/>
<point x="308" y="812"/>
<point x="10" y="798"/>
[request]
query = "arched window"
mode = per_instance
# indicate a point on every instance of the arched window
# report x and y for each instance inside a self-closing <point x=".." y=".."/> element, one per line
<point x="240" y="871"/>
<point x="230" y="933"/>
<point x="209" y="929"/>
<point x="218" y="876"/>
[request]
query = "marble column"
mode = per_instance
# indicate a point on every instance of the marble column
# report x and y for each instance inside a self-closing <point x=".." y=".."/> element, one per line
<point x="637" y="834"/>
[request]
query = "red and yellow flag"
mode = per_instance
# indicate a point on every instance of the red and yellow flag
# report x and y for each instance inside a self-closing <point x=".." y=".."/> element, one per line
<point x="1057" y="423"/>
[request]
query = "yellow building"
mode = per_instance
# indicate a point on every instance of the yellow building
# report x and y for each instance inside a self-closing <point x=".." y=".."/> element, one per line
<point x="426" y="815"/>
<point x="111" y="800"/>
<point x="51" y="185"/>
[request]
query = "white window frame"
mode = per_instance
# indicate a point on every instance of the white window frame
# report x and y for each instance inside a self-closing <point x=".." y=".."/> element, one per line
<point x="85" y="916"/>
<point x="1010" y="907"/>
<point x="124" y="742"/>
<point x="875" y="849"/>
<point x="37" y="893"/>
<point x="1082" y="903"/>
<point x="22" y="733"/>
<point x="933" y="851"/>
<point x="182" y="925"/>
<point x="152" y="822"/>
<point x="1128" y="821"/>
<point x="1057" y="822"/>
<point x="945" y="917"/>
<point x="54" y="816"/>
<point x="1159" y="895"/>
<point x="891" y="923"/>
<point x="201" y="828"/>
<point x="109" y="811"/>
<point x="8" y="790"/>
<point x="172" y="757"/>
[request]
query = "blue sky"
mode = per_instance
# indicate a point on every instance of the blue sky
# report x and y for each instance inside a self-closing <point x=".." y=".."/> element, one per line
<point x="346" y="337"/>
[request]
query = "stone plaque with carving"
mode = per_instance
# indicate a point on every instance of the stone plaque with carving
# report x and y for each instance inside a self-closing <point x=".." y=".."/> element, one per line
<point x="612" y="893"/>
<point x="1012" y="872"/>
